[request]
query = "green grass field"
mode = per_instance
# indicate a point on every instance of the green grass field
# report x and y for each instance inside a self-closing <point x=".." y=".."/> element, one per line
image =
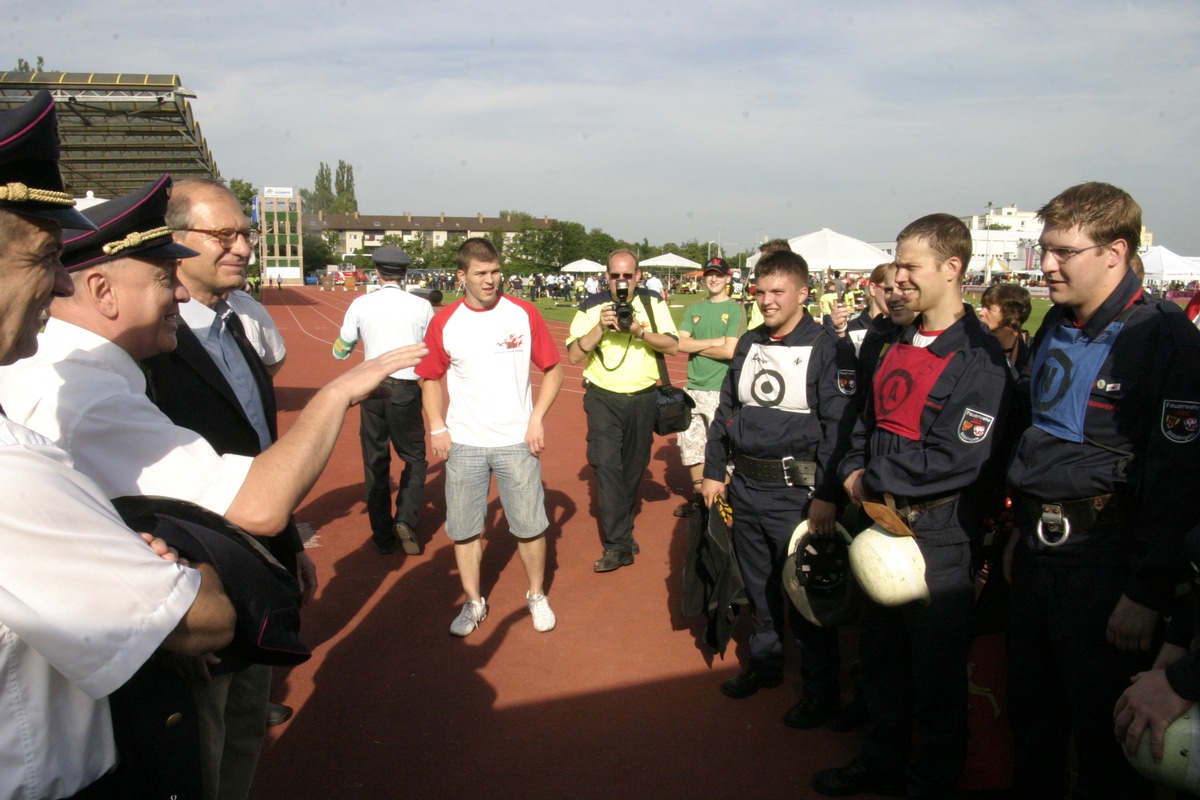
<point x="562" y="311"/>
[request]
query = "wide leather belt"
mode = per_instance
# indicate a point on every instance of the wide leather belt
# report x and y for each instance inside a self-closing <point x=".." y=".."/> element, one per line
<point x="787" y="470"/>
<point x="399" y="382"/>
<point x="1057" y="521"/>
<point x="913" y="507"/>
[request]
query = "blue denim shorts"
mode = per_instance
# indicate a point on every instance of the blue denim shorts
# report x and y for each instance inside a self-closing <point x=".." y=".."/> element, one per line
<point x="518" y="474"/>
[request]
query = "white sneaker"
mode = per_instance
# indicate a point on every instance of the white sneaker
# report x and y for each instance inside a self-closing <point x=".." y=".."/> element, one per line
<point x="543" y="617"/>
<point x="473" y="612"/>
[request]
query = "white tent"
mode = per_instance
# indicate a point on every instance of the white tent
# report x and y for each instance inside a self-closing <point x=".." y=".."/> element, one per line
<point x="669" y="261"/>
<point x="583" y="265"/>
<point x="1163" y="266"/>
<point x="826" y="249"/>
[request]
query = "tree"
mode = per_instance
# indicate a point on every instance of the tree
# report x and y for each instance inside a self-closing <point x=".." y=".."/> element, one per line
<point x="599" y="245"/>
<point x="321" y="197"/>
<point x="23" y="65"/>
<point x="244" y="191"/>
<point x="344" y="201"/>
<point x="317" y="252"/>
<point x="572" y="240"/>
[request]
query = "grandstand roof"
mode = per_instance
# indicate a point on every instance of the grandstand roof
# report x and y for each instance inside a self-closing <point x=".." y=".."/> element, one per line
<point x="118" y="131"/>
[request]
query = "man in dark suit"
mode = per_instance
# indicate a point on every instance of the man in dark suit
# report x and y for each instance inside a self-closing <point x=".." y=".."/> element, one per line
<point x="215" y="384"/>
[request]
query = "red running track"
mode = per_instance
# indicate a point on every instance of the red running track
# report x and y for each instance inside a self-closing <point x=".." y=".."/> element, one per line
<point x="617" y="701"/>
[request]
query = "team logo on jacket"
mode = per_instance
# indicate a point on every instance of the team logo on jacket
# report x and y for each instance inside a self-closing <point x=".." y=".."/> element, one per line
<point x="1180" y="420"/>
<point x="974" y="426"/>
<point x="847" y="381"/>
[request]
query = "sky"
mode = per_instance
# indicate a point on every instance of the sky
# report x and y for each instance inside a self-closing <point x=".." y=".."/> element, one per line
<point x="724" y="122"/>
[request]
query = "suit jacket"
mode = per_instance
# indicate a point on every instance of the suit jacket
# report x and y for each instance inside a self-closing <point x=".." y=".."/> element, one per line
<point x="190" y="389"/>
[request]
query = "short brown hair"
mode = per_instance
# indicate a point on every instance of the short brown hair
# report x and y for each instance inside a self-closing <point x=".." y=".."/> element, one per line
<point x="1013" y="301"/>
<point x="783" y="262"/>
<point x="1101" y="211"/>
<point x="478" y="249"/>
<point x="774" y="246"/>
<point x="947" y="236"/>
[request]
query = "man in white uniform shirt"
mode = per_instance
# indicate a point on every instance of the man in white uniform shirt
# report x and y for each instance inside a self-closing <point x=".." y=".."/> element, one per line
<point x="83" y="601"/>
<point x="486" y="342"/>
<point x="382" y="320"/>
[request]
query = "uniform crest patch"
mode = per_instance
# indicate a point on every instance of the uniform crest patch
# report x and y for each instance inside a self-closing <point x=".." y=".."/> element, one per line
<point x="695" y="319"/>
<point x="974" y="426"/>
<point x="847" y="381"/>
<point x="1180" y="420"/>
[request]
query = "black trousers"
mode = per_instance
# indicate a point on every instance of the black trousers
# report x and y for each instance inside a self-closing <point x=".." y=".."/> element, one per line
<point x="620" y="433"/>
<point x="764" y="517"/>
<point x="1064" y="678"/>
<point x="397" y="421"/>
<point x="914" y="674"/>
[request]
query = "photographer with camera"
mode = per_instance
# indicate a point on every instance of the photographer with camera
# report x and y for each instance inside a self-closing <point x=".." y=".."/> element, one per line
<point x="612" y="332"/>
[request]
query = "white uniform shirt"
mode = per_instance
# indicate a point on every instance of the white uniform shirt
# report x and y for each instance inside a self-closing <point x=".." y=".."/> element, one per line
<point x="88" y="396"/>
<point x="383" y="321"/>
<point x="83" y="604"/>
<point x="261" y="331"/>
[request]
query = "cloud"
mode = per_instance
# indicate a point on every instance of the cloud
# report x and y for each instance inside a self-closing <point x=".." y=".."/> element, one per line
<point x="678" y="120"/>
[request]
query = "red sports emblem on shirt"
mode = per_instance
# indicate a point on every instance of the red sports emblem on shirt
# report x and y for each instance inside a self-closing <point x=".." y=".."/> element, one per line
<point x="1180" y="420"/>
<point x="974" y="426"/>
<point x="512" y="342"/>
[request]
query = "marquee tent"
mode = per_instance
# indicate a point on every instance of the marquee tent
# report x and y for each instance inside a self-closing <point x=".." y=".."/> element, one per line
<point x="1163" y="266"/>
<point x="583" y="265"/>
<point x="669" y="261"/>
<point x="826" y="249"/>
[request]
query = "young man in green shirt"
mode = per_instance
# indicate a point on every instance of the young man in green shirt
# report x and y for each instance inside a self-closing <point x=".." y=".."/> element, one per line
<point x="708" y="334"/>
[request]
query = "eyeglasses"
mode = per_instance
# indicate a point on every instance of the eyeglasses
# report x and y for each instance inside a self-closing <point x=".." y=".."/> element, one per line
<point x="1062" y="254"/>
<point x="227" y="237"/>
<point x="613" y="277"/>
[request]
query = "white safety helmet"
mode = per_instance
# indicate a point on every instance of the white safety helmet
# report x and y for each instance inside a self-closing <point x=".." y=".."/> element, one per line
<point x="889" y="568"/>
<point x="1180" y="767"/>
<point x="816" y="576"/>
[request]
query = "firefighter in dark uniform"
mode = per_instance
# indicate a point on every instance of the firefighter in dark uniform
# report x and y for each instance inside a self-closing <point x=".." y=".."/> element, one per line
<point x="784" y="418"/>
<point x="928" y="429"/>
<point x="1103" y="484"/>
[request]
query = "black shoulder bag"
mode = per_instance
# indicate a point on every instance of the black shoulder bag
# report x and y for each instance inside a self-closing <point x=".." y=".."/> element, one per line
<point x="673" y="413"/>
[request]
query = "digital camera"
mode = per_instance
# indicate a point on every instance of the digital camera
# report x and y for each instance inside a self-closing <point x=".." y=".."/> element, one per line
<point x="622" y="308"/>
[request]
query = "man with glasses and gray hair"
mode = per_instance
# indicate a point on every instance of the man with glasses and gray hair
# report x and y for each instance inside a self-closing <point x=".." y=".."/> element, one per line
<point x="613" y="334"/>
<point x="1102" y="482"/>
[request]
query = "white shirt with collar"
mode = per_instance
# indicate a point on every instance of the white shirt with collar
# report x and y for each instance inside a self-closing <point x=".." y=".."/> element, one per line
<point x="88" y="396"/>
<point x="383" y="321"/>
<point x="84" y="602"/>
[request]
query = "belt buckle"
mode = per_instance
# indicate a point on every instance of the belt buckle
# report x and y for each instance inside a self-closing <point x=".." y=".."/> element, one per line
<point x="1053" y="520"/>
<point x="787" y="461"/>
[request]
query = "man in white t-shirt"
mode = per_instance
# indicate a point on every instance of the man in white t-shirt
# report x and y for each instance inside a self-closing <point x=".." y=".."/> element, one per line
<point x="391" y="317"/>
<point x="485" y="342"/>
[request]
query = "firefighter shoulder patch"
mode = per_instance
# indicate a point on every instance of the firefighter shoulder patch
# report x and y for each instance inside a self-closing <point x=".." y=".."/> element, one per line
<point x="974" y="426"/>
<point x="847" y="381"/>
<point x="1180" y="420"/>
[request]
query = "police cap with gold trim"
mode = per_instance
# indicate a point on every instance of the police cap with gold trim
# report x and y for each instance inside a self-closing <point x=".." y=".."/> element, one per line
<point x="130" y="226"/>
<point x="30" y="183"/>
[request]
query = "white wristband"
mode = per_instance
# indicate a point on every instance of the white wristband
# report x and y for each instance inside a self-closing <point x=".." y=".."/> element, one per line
<point x="439" y="430"/>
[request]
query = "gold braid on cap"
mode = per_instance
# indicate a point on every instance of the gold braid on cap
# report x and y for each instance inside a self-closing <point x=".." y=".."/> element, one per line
<point x="134" y="239"/>
<point x="20" y="193"/>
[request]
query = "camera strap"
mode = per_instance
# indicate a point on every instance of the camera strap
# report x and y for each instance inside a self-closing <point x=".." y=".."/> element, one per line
<point x="664" y="379"/>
